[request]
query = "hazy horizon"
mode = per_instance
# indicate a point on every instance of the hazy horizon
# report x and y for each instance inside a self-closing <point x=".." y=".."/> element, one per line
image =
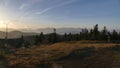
<point x="34" y="14"/>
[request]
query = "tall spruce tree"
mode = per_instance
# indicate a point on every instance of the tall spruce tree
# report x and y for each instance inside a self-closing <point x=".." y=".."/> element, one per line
<point x="104" y="34"/>
<point x="39" y="38"/>
<point x="22" y="42"/>
<point x="115" y="35"/>
<point x="70" y="37"/>
<point x="86" y="33"/>
<point x="96" y="32"/>
<point x="65" y="37"/>
<point x="53" y="38"/>
<point x="76" y="37"/>
<point x="91" y="34"/>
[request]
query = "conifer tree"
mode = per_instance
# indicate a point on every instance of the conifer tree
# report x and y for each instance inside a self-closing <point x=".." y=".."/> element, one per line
<point x="65" y="37"/>
<point x="21" y="42"/>
<point x="104" y="34"/>
<point x="55" y="37"/>
<point x="115" y="35"/>
<point x="39" y="38"/>
<point x="70" y="37"/>
<point x="91" y="34"/>
<point x="77" y="38"/>
<point x="96" y="32"/>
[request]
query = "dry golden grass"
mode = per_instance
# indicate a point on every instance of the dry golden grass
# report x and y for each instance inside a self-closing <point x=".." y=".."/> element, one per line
<point x="37" y="54"/>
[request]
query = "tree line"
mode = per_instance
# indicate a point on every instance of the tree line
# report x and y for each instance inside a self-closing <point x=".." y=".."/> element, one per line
<point x="85" y="34"/>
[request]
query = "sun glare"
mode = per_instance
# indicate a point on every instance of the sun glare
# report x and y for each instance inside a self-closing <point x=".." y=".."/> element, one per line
<point x="2" y="24"/>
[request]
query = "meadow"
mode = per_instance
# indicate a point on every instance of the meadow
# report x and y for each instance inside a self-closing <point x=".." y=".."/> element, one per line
<point x="74" y="54"/>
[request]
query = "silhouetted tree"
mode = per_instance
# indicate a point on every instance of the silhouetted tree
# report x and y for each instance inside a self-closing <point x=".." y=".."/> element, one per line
<point x="53" y="38"/>
<point x="104" y="34"/>
<point x="77" y="37"/>
<point x="70" y="37"/>
<point x="96" y="32"/>
<point x="80" y="36"/>
<point x="86" y="33"/>
<point x="39" y="38"/>
<point x="65" y="37"/>
<point x="50" y="40"/>
<point x="115" y="35"/>
<point x="22" y="41"/>
<point x="119" y="35"/>
<point x="91" y="34"/>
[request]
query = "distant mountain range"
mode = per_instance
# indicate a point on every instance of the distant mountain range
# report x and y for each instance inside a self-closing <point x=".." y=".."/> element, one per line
<point x="14" y="33"/>
<point x="29" y="32"/>
<point x="59" y="30"/>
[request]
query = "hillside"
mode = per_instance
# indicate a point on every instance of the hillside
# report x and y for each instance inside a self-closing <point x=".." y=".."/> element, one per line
<point x="68" y="55"/>
<point x="16" y="34"/>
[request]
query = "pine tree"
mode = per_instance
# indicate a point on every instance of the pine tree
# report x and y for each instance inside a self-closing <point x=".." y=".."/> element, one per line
<point x="70" y="37"/>
<point x="104" y="34"/>
<point x="39" y="38"/>
<point x="53" y="38"/>
<point x="22" y="41"/>
<point x="91" y="34"/>
<point x="80" y="36"/>
<point x="77" y="38"/>
<point x="86" y="33"/>
<point x="65" y="37"/>
<point x="96" y="32"/>
<point x="115" y="35"/>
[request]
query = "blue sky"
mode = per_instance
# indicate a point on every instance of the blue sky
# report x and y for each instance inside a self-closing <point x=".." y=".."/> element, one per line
<point x="60" y="13"/>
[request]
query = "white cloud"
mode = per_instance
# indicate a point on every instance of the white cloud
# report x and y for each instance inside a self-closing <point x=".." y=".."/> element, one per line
<point x="55" y="6"/>
<point x="23" y="6"/>
<point x="43" y="11"/>
<point x="29" y="3"/>
<point x="65" y="3"/>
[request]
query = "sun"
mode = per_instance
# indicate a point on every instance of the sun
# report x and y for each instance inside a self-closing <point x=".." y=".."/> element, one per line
<point x="2" y="24"/>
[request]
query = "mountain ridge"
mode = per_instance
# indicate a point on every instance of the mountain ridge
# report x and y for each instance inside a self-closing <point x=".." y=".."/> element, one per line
<point x="12" y="33"/>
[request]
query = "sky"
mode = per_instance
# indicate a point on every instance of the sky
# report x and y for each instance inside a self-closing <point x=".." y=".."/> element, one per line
<point x="35" y="14"/>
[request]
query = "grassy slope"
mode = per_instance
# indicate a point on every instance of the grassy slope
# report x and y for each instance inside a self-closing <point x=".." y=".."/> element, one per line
<point x="36" y="55"/>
